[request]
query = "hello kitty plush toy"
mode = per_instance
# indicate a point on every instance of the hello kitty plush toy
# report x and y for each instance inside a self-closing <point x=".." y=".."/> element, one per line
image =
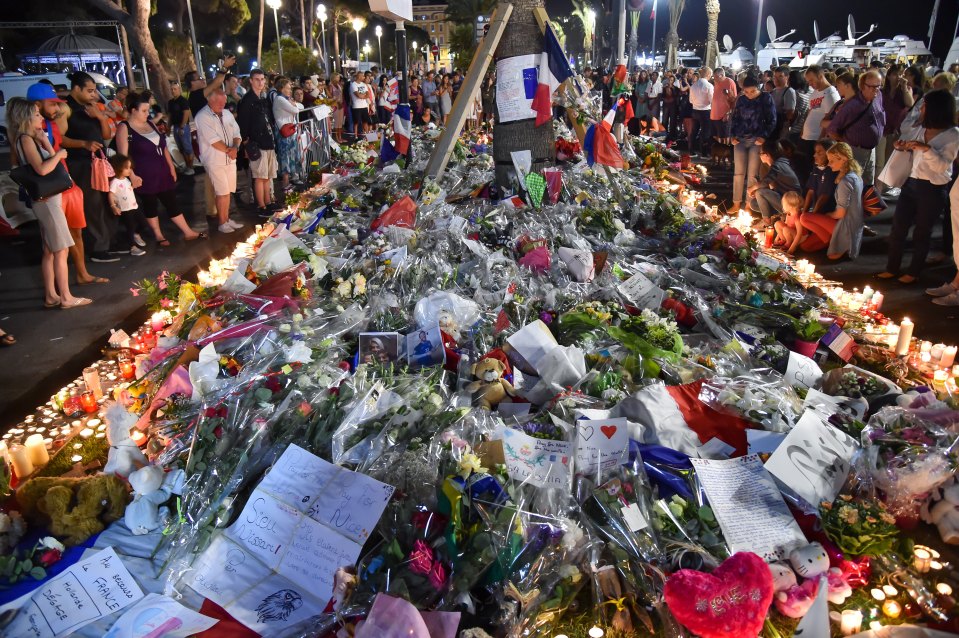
<point x="793" y="599"/>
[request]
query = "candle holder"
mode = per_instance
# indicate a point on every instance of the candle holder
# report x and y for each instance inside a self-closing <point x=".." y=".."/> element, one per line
<point x="89" y="402"/>
<point x="851" y="622"/>
<point x="127" y="371"/>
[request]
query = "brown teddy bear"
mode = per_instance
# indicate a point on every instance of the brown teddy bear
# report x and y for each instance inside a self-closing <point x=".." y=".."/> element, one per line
<point x="490" y="388"/>
<point x="73" y="509"/>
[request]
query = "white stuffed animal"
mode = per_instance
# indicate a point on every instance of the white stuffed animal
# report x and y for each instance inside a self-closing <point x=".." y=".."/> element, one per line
<point x="150" y="490"/>
<point x="942" y="510"/>
<point x="124" y="456"/>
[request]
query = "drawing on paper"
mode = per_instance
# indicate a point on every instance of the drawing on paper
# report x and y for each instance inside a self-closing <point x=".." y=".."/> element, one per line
<point x="278" y="606"/>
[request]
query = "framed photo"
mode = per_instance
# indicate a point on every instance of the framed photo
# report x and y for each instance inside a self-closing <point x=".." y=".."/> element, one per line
<point x="379" y="347"/>
<point x="425" y="347"/>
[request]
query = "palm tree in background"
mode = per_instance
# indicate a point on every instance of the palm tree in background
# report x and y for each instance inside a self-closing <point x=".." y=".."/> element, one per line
<point x="466" y="11"/>
<point x="582" y="10"/>
<point x="676" y="8"/>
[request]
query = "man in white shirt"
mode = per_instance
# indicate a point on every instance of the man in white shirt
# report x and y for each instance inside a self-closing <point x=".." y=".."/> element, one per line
<point x="701" y="99"/>
<point x="654" y="94"/>
<point x="823" y="97"/>
<point x="360" y="96"/>
<point x="219" y="137"/>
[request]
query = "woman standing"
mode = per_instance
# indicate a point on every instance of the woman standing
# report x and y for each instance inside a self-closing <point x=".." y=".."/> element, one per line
<point x="383" y="101"/>
<point x="336" y="94"/>
<point x="897" y="99"/>
<point x="416" y="101"/>
<point x="25" y="126"/>
<point x="489" y="95"/>
<point x="445" y="92"/>
<point x="670" y="105"/>
<point x="753" y="120"/>
<point x="640" y="97"/>
<point x="841" y="229"/>
<point x="139" y="139"/>
<point x="287" y="147"/>
<point x="934" y="146"/>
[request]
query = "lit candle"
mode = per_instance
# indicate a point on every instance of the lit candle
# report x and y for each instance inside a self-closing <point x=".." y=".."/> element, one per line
<point x="878" y="594"/>
<point x="936" y="351"/>
<point x="921" y="559"/>
<point x="944" y="588"/>
<point x="76" y="458"/>
<point x="948" y="357"/>
<point x="88" y="401"/>
<point x="905" y="336"/>
<point x="890" y="591"/>
<point x="86" y="433"/>
<point x="891" y="608"/>
<point x="875" y="625"/>
<point x="935" y="565"/>
<point x="877" y="300"/>
<point x="925" y="346"/>
<point x="940" y="377"/>
<point x="157" y="321"/>
<point x="20" y="458"/>
<point x="91" y="377"/>
<point x="851" y="622"/>
<point x="867" y="292"/>
<point x="37" y="449"/>
<point x="126" y="369"/>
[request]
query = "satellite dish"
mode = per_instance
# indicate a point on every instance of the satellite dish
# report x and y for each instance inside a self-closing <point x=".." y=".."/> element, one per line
<point x="851" y="27"/>
<point x="815" y="30"/>
<point x="771" y="28"/>
<point x="728" y="42"/>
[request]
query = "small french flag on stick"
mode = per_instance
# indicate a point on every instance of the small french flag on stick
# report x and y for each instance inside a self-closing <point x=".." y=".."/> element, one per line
<point x="553" y="70"/>
<point x="402" y="129"/>
<point x="600" y="145"/>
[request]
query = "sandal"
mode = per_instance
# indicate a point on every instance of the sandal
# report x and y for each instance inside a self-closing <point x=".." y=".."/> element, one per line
<point x="51" y="304"/>
<point x="94" y="280"/>
<point x="885" y="275"/>
<point x="81" y="301"/>
<point x="164" y="243"/>
<point x="907" y="280"/>
<point x="7" y="339"/>
<point x="199" y="236"/>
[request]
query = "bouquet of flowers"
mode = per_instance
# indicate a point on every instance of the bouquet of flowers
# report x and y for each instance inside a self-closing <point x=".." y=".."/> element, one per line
<point x="860" y="526"/>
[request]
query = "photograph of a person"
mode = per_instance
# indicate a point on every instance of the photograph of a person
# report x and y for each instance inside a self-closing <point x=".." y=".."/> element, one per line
<point x="425" y="347"/>
<point x="379" y="347"/>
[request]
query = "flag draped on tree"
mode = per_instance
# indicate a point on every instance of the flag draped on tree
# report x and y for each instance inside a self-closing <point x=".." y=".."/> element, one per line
<point x="553" y="70"/>
<point x="600" y="145"/>
<point x="401" y="135"/>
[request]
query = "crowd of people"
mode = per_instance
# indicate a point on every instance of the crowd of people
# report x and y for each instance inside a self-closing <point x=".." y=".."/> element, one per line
<point x="816" y="150"/>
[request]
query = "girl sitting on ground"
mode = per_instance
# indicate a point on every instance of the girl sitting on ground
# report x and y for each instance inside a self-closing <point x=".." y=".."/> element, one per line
<point x="788" y="232"/>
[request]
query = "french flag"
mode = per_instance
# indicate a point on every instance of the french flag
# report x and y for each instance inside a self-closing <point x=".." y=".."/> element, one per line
<point x="554" y="69"/>
<point x="402" y="129"/>
<point x="600" y="145"/>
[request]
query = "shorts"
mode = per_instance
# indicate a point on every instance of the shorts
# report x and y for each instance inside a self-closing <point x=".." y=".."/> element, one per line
<point x="265" y="167"/>
<point x="184" y="139"/>
<point x="222" y="177"/>
<point x="361" y="116"/>
<point x="167" y="198"/>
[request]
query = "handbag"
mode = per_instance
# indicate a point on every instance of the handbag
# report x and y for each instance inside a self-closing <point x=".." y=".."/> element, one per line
<point x="253" y="152"/>
<point x="40" y="187"/>
<point x="101" y="172"/>
<point x="872" y="202"/>
<point x="897" y="169"/>
<point x="288" y="129"/>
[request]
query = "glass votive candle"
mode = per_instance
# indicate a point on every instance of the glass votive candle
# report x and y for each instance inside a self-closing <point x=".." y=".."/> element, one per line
<point x="851" y="622"/>
<point x="890" y="591"/>
<point x="89" y="402"/>
<point x="891" y="609"/>
<point x="921" y="559"/>
<point x="126" y="368"/>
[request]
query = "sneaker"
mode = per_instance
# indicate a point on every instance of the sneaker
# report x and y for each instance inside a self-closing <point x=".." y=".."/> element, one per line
<point x="225" y="228"/>
<point x="264" y="212"/>
<point x="120" y="251"/>
<point x="189" y="172"/>
<point x="275" y="206"/>
<point x="944" y="290"/>
<point x="237" y="225"/>
<point x="136" y="251"/>
<point x="892" y="193"/>
<point x="103" y="258"/>
<point x="138" y="240"/>
<point x="948" y="300"/>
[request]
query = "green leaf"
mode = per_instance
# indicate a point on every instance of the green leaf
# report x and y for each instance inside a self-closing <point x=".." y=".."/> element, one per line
<point x="38" y="573"/>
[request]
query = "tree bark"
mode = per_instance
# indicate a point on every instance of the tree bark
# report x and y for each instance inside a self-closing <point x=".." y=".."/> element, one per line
<point x="303" y="23"/>
<point x="337" y="61"/>
<point x="521" y="37"/>
<point x="712" y="30"/>
<point x="672" y="38"/>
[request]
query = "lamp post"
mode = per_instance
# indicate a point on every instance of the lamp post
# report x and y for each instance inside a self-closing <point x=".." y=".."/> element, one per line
<point x="196" y="47"/>
<point x="321" y="14"/>
<point x="275" y="5"/>
<point x="759" y="26"/>
<point x="357" y="25"/>
<point x="379" y="44"/>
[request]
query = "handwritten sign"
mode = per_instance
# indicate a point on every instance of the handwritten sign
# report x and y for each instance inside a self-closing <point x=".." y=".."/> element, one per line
<point x="601" y="444"/>
<point x="514" y="101"/>
<point x="541" y="462"/>
<point x="802" y="371"/>
<point x="814" y="460"/>
<point x="91" y="589"/>
<point x="749" y="507"/>
<point x="275" y="565"/>
<point x="641" y="292"/>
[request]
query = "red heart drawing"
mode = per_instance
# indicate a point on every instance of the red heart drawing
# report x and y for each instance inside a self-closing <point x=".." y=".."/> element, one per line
<point x="731" y="602"/>
<point x="608" y="430"/>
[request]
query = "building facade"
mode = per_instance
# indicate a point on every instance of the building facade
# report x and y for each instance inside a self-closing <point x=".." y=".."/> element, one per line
<point x="431" y="17"/>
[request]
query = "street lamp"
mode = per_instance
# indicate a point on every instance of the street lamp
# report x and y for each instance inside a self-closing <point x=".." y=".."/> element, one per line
<point x="239" y="48"/>
<point x="219" y="45"/>
<point x="367" y="50"/>
<point x="357" y="25"/>
<point x="275" y="5"/>
<point x="379" y="44"/>
<point x="321" y="14"/>
<point x="759" y="26"/>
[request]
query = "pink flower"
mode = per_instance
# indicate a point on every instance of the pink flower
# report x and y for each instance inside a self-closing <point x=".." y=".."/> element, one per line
<point x="421" y="558"/>
<point x="135" y="291"/>
<point x="166" y="303"/>
<point x="437" y="575"/>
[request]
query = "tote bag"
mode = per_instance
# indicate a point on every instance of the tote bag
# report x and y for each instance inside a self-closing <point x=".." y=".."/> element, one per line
<point x="896" y="171"/>
<point x="40" y="187"/>
<point x="101" y="172"/>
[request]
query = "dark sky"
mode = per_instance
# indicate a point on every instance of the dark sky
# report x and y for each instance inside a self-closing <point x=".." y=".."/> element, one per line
<point x="738" y="19"/>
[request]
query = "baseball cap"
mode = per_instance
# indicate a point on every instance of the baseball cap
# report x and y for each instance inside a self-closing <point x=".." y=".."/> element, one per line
<point x="41" y="91"/>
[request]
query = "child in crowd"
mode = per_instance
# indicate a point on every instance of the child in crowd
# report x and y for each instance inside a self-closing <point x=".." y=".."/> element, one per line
<point x="788" y="231"/>
<point x="124" y="203"/>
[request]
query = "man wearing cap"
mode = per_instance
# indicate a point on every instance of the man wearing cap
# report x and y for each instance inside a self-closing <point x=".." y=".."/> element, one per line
<point x="44" y="95"/>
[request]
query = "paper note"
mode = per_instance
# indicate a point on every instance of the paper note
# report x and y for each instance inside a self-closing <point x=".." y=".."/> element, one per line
<point x="514" y="99"/>
<point x="814" y="460"/>
<point x="641" y="292"/>
<point x="634" y="517"/>
<point x="826" y="405"/>
<point x="533" y="341"/>
<point x="275" y="565"/>
<point x="157" y="615"/>
<point x="541" y="462"/>
<point x="715" y="448"/>
<point x="763" y="441"/>
<point x="766" y="261"/>
<point x="749" y="507"/>
<point x="89" y="590"/>
<point x="802" y="371"/>
<point x="601" y="444"/>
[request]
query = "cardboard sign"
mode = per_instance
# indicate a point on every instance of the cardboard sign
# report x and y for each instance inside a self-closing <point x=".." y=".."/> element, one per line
<point x="749" y="507"/>
<point x="802" y="371"/>
<point x="275" y="565"/>
<point x="813" y="461"/>
<point x="601" y="444"/>
<point x="89" y="590"/>
<point x="641" y="292"/>
<point x="541" y="462"/>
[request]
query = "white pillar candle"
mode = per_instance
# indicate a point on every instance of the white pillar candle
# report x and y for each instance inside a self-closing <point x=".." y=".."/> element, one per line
<point x="936" y="351"/>
<point x="925" y="346"/>
<point x="37" y="449"/>
<point x="851" y="622"/>
<point x="905" y="336"/>
<point x="921" y="559"/>
<point x="948" y="357"/>
<point x="877" y="300"/>
<point x="20" y="458"/>
<point x="867" y="292"/>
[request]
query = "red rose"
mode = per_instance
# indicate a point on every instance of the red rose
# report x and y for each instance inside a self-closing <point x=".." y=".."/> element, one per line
<point x="221" y="411"/>
<point x="49" y="557"/>
<point x="209" y="413"/>
<point x="218" y="431"/>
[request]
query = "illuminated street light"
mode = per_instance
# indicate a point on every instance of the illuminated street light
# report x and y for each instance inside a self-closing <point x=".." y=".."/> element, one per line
<point x="379" y="44"/>
<point x="357" y="25"/>
<point x="275" y="5"/>
<point x="321" y="14"/>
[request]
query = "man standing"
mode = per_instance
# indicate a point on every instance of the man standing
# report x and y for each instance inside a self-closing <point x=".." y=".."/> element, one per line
<point x="360" y="97"/>
<point x="199" y="89"/>
<point x="220" y="138"/>
<point x="823" y="97"/>
<point x="179" y="109"/>
<point x="429" y="94"/>
<point x="86" y="132"/>
<point x="654" y="94"/>
<point x="860" y="123"/>
<point x="784" y="97"/>
<point x="253" y="116"/>
<point x="701" y="99"/>
<point x="724" y="99"/>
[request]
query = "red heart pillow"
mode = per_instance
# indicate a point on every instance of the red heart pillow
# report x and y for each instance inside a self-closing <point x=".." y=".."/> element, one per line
<point x="731" y="602"/>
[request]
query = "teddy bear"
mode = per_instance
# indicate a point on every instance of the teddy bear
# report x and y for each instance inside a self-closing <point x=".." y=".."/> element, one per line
<point x="793" y="599"/>
<point x="73" y="509"/>
<point x="124" y="456"/>
<point x="942" y="510"/>
<point x="490" y="388"/>
<point x="151" y="488"/>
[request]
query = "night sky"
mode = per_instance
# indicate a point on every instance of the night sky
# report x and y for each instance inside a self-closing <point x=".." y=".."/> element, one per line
<point x="738" y="19"/>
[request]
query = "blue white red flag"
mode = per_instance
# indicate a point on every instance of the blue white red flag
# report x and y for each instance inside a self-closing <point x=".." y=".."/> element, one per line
<point x="553" y="70"/>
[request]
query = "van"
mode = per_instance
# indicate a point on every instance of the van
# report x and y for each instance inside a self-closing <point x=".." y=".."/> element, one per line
<point x="16" y="85"/>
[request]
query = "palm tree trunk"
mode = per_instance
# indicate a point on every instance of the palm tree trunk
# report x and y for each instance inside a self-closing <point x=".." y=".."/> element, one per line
<point x="303" y="23"/>
<point x="712" y="30"/>
<point x="521" y="37"/>
<point x="337" y="62"/>
<point x="672" y="38"/>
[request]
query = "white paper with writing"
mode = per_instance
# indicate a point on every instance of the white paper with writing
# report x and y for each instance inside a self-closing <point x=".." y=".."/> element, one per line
<point x="601" y="444"/>
<point x="512" y="100"/>
<point x="749" y="507"/>
<point x="641" y="292"/>
<point x="764" y="260"/>
<point x="541" y="462"/>
<point x="715" y="448"/>
<point x="92" y="588"/>
<point x="275" y="565"/>
<point x="533" y="342"/>
<point x="814" y="460"/>
<point x="802" y="371"/>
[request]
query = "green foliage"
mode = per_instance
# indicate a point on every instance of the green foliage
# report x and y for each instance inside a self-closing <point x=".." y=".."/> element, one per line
<point x="461" y="43"/>
<point x="91" y="449"/>
<point x="297" y="60"/>
<point x="464" y="12"/>
<point x="229" y="14"/>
